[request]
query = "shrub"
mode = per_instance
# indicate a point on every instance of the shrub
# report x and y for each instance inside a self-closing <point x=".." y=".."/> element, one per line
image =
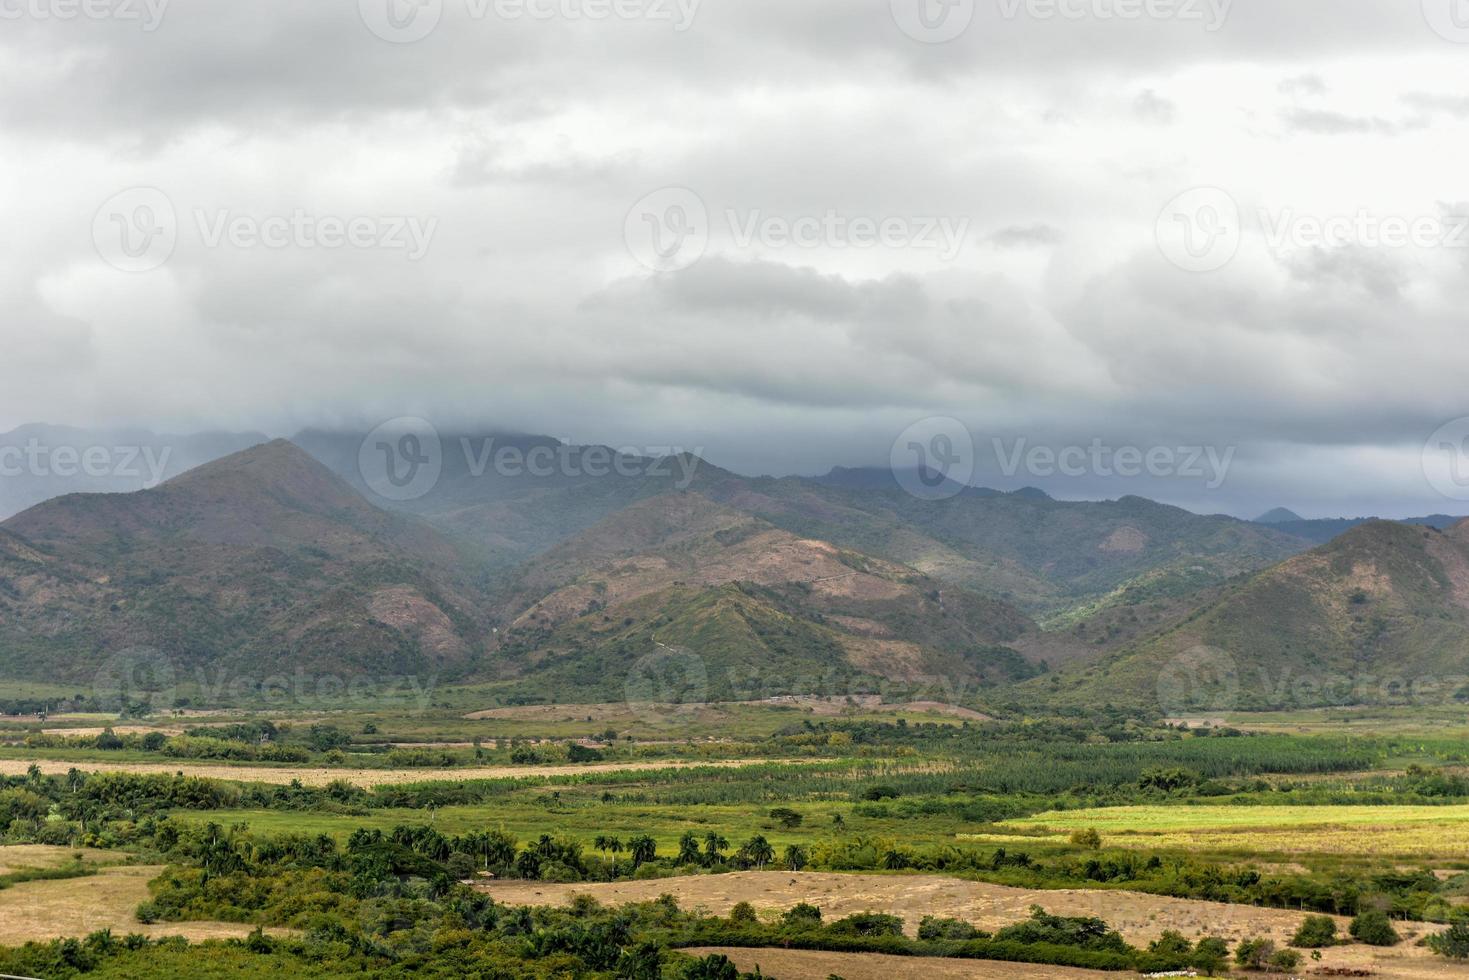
<point x="1088" y="838"/>
<point x="1171" y="943"/>
<point x="460" y="866"/>
<point x="868" y="924"/>
<point x="744" y="914"/>
<point x="802" y="914"/>
<point x="933" y="927"/>
<point x="1315" y="932"/>
<point x="1254" y="954"/>
<point x="712" y="967"/>
<point x="1056" y="930"/>
<point x="1211" y="955"/>
<point x="1284" y="960"/>
<point x="1453" y="943"/>
<point x="1374" y="928"/>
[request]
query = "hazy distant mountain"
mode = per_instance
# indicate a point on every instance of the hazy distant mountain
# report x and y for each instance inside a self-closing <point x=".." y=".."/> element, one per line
<point x="1046" y="556"/>
<point x="508" y="505"/>
<point x="39" y="462"/>
<point x="1278" y="516"/>
<point x="1380" y="610"/>
<point x="1323" y="530"/>
<point x="261" y="561"/>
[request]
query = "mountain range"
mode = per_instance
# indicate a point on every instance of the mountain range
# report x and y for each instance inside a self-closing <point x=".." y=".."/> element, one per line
<point x="558" y="587"/>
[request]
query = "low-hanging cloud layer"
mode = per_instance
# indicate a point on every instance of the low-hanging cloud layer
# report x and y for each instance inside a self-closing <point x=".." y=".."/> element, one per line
<point x="779" y="232"/>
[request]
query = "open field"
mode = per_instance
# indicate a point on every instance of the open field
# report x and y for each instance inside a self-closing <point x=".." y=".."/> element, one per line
<point x="1419" y="833"/>
<point x="24" y="857"/>
<point x="1140" y="918"/>
<point x="1432" y="720"/>
<point x="36" y="911"/>
<point x="722" y="713"/>
<point x="321" y="776"/>
<point x="793" y="964"/>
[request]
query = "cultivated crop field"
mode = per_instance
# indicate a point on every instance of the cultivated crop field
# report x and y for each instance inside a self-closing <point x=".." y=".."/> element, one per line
<point x="353" y="847"/>
<point x="1437" y="834"/>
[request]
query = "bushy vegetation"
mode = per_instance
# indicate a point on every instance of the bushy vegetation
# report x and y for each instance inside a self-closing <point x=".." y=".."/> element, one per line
<point x="1373" y="927"/>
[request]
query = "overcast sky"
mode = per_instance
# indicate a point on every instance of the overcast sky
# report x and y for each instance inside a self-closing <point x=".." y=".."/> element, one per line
<point x="778" y="231"/>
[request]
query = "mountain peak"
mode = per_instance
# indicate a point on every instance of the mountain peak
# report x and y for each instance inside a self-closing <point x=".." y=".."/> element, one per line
<point x="1278" y="515"/>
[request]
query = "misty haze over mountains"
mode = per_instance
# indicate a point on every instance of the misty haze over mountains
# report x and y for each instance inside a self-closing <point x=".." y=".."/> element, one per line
<point x="40" y="461"/>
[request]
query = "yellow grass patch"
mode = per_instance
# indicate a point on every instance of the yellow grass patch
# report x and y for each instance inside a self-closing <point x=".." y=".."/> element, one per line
<point x="37" y="911"/>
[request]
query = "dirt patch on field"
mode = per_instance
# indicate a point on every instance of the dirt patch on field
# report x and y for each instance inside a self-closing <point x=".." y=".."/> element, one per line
<point x="790" y="964"/>
<point x="37" y="911"/>
<point x="370" y="777"/>
<point x="1140" y="918"/>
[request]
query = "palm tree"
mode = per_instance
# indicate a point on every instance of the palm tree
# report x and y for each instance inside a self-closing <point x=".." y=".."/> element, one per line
<point x="616" y="847"/>
<point x="688" y="848"/>
<point x="795" y="857"/>
<point x="757" y="851"/>
<point x="643" y="849"/>
<point x="500" y="849"/>
<point x="713" y="845"/>
<point x="605" y="843"/>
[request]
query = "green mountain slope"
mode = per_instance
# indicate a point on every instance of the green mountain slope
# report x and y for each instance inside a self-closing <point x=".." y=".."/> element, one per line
<point x="1375" y="614"/>
<point x="679" y="570"/>
<point x="260" y="562"/>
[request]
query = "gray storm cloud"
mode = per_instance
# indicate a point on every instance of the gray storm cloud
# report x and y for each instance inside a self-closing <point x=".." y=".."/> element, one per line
<point x="292" y="147"/>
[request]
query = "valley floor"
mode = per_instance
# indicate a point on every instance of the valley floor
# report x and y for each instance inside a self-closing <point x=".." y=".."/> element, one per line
<point x="1139" y="917"/>
<point x="321" y="776"/>
<point x="792" y="964"/>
